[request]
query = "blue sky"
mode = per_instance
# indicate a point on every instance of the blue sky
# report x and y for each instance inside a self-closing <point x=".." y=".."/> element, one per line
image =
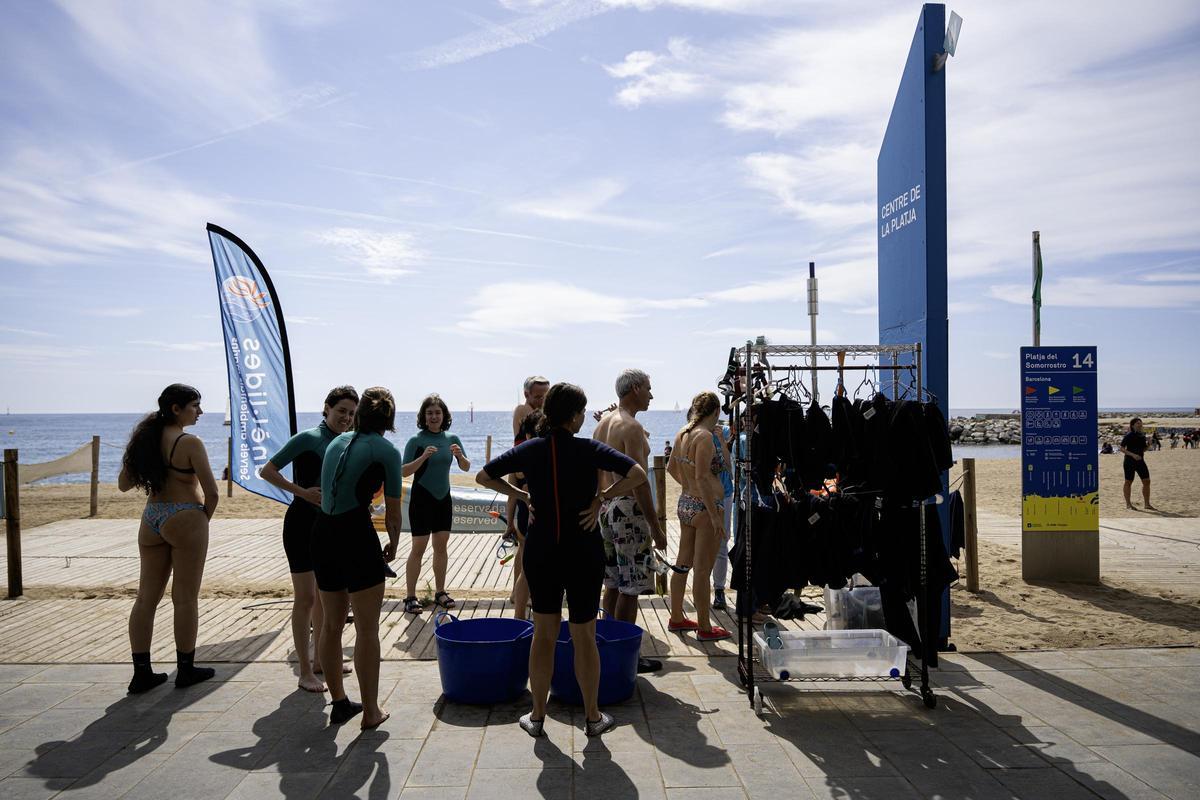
<point x="451" y="196"/>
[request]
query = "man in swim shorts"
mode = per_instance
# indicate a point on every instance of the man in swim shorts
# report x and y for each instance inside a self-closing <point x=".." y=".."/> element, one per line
<point x="628" y="523"/>
<point x="1134" y="447"/>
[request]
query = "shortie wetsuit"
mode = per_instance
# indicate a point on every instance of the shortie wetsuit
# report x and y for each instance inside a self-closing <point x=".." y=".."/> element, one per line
<point x="345" y="550"/>
<point x="560" y="556"/>
<point x="1135" y="442"/>
<point x="430" y="507"/>
<point x="690" y="506"/>
<point x="157" y="513"/>
<point x="305" y="452"/>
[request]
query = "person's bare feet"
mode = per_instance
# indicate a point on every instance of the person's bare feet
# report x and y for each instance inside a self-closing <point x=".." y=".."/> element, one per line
<point x="310" y="683"/>
<point x="1150" y="507"/>
<point x="347" y="668"/>
<point x="374" y="720"/>
<point x="1131" y="506"/>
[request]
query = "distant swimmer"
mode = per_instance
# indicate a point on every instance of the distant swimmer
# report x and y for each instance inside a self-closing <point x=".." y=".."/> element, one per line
<point x="349" y="564"/>
<point x="1134" y="447"/>
<point x="628" y="523"/>
<point x="428" y="456"/>
<point x="172" y="468"/>
<point x="305" y="452"/>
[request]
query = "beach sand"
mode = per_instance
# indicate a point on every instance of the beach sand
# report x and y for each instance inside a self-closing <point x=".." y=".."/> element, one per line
<point x="1008" y="614"/>
<point x="1174" y="484"/>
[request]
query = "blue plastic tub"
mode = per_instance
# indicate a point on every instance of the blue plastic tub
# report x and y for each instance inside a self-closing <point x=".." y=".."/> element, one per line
<point x="619" y="644"/>
<point x="482" y="661"/>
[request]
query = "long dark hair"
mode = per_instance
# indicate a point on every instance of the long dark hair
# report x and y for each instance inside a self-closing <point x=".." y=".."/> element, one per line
<point x="376" y="411"/>
<point x="563" y="402"/>
<point x="143" y="460"/>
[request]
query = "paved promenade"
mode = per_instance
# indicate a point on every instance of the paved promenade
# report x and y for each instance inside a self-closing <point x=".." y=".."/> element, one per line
<point x="1061" y="725"/>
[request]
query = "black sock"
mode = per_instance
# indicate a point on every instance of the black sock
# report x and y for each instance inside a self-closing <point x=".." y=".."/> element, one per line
<point x="188" y="674"/>
<point x="144" y="676"/>
<point x="344" y="710"/>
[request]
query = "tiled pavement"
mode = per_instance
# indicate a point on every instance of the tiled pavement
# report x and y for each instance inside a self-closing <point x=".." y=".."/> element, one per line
<point x="1061" y="725"/>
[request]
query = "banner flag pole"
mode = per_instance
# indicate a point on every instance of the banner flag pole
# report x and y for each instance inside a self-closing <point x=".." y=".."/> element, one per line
<point x="262" y="398"/>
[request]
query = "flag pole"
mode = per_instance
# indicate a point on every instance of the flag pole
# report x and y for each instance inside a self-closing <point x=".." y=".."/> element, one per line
<point x="1037" y="288"/>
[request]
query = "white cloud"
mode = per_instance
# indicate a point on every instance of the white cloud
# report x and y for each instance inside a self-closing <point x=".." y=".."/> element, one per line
<point x="58" y="213"/>
<point x="583" y="204"/>
<point x="26" y="332"/>
<point x="171" y="53"/>
<point x="545" y="19"/>
<point x="649" y="77"/>
<point x="1094" y="292"/>
<point x="383" y="255"/>
<point x="550" y="305"/>
<point x="36" y="354"/>
<point x="1171" y="277"/>
<point x="181" y="347"/>
<point x="824" y="185"/>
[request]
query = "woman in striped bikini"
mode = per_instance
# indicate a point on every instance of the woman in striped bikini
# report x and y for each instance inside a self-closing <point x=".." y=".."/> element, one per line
<point x="172" y="468"/>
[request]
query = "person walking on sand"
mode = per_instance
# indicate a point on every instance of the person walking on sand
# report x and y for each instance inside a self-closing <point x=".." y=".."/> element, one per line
<point x="428" y="455"/>
<point x="627" y="530"/>
<point x="347" y="560"/>
<point x="696" y="464"/>
<point x="564" y="553"/>
<point x="171" y="467"/>
<point x="1134" y="447"/>
<point x="305" y="452"/>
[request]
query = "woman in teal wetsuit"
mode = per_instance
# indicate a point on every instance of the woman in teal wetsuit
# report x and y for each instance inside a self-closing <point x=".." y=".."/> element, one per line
<point x="428" y="455"/>
<point x="304" y="452"/>
<point x="172" y="468"/>
<point x="347" y="560"/>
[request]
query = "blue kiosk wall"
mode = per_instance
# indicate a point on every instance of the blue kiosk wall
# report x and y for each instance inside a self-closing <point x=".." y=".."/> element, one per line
<point x="911" y="221"/>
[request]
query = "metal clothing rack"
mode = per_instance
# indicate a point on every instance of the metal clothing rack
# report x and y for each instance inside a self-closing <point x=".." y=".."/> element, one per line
<point x="754" y="356"/>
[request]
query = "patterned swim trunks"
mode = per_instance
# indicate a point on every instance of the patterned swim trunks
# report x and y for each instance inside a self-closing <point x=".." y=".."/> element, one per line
<point x="627" y="544"/>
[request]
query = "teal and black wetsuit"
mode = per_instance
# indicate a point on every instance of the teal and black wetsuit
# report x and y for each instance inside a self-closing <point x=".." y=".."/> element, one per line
<point x="304" y="452"/>
<point x="346" y="552"/>
<point x="430" y="508"/>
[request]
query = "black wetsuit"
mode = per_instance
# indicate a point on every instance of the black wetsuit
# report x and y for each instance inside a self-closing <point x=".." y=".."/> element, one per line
<point x="1135" y="442"/>
<point x="560" y="556"/>
<point x="304" y="452"/>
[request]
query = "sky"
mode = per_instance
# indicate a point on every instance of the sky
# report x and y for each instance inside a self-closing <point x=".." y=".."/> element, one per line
<point x="452" y="196"/>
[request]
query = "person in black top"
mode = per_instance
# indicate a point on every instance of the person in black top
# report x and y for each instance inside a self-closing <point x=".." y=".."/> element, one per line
<point x="564" y="553"/>
<point x="1134" y="447"/>
<point x="305" y="452"/>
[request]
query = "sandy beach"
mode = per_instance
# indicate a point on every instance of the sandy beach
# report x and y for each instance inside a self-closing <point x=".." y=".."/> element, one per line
<point x="1008" y="614"/>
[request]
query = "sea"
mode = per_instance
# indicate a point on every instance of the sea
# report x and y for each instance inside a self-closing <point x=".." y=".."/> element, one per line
<point x="44" y="437"/>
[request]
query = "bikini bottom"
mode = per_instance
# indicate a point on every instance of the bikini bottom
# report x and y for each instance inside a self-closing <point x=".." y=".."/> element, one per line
<point x="157" y="514"/>
<point x="690" y="507"/>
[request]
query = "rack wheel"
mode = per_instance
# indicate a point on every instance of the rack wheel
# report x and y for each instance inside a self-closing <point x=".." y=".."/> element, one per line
<point x="906" y="681"/>
<point x="758" y="703"/>
<point x="929" y="698"/>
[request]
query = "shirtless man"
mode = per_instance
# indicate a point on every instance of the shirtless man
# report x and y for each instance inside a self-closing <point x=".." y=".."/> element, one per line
<point x="536" y="387"/>
<point x="624" y="524"/>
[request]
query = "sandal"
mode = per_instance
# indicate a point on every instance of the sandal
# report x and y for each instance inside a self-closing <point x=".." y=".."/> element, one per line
<point x="412" y="606"/>
<point x="443" y="599"/>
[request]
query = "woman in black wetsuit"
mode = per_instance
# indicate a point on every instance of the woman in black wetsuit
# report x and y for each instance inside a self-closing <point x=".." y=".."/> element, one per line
<point x="563" y="550"/>
<point x="1134" y="447"/>
<point x="304" y="452"/>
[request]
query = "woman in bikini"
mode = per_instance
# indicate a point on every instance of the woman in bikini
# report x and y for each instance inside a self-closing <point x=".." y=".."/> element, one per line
<point x="172" y="468"/>
<point x="696" y="464"/>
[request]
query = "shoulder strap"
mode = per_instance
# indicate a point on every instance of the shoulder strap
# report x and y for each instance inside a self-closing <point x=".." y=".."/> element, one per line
<point x="174" y="444"/>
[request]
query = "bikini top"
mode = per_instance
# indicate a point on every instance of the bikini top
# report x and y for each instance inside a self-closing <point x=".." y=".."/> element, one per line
<point x="171" y="457"/>
<point x="718" y="461"/>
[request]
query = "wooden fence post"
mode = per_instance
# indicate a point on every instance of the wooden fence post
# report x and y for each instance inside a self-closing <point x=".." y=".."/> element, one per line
<point x="12" y="523"/>
<point x="971" y="534"/>
<point x="94" y="508"/>
<point x="229" y="469"/>
<point x="488" y="454"/>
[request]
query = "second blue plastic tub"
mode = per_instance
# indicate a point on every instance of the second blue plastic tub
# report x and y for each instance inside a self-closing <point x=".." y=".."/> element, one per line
<point x="619" y="644"/>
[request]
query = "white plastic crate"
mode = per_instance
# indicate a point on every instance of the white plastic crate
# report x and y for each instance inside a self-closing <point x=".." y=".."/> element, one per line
<point x="834" y="654"/>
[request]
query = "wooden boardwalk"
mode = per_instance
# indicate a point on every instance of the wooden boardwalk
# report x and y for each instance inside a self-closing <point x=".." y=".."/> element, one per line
<point x="80" y="576"/>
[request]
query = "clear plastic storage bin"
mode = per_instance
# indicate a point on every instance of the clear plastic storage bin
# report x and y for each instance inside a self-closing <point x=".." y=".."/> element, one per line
<point x="834" y="654"/>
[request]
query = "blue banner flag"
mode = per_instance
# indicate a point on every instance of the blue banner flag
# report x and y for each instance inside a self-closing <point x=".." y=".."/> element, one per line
<point x="262" y="402"/>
